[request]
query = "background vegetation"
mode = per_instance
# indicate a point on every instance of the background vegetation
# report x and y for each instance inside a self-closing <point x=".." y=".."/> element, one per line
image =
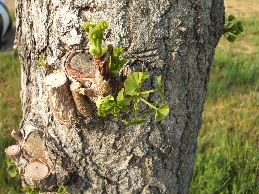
<point x="228" y="154"/>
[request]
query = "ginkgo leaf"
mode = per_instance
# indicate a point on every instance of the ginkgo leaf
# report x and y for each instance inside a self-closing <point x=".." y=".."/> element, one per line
<point x="134" y="82"/>
<point x="162" y="112"/>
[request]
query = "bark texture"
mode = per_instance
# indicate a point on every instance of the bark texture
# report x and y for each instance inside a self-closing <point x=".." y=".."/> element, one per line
<point x="172" y="38"/>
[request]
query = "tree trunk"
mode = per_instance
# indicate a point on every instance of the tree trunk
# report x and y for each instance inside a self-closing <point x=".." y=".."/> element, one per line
<point x="95" y="155"/>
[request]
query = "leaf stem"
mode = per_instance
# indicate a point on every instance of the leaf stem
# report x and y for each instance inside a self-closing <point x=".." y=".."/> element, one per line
<point x="148" y="103"/>
<point x="148" y="92"/>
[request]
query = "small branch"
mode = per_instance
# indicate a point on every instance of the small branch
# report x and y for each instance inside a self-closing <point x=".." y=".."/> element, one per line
<point x="82" y="102"/>
<point x="60" y="98"/>
<point x="13" y="152"/>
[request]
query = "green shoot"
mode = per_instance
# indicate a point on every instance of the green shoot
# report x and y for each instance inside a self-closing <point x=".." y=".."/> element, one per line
<point x="62" y="190"/>
<point x="30" y="190"/>
<point x="133" y="94"/>
<point x="116" y="61"/>
<point x="95" y="36"/>
<point x="11" y="168"/>
<point x="42" y="61"/>
<point x="232" y="28"/>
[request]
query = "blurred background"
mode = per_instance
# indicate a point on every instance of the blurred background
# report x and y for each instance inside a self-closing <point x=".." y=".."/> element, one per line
<point x="228" y="154"/>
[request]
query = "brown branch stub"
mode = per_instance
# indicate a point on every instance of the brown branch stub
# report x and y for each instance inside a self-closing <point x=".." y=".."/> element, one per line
<point x="60" y="98"/>
<point x="34" y="145"/>
<point x="17" y="135"/>
<point x="13" y="152"/>
<point x="82" y="102"/>
<point x="37" y="170"/>
<point x="80" y="66"/>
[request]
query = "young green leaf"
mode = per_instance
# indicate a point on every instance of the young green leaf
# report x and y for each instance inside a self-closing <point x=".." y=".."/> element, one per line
<point x="231" y="38"/>
<point x="30" y="190"/>
<point x="162" y="112"/>
<point x="95" y="36"/>
<point x="159" y="81"/>
<point x="231" y="18"/>
<point x="42" y="62"/>
<point x="116" y="61"/>
<point x="62" y="190"/>
<point x="134" y="82"/>
<point x="11" y="168"/>
<point x="106" y="105"/>
<point x="232" y="28"/>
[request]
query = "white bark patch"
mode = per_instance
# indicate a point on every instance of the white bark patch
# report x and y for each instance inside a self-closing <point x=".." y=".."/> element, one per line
<point x="66" y="25"/>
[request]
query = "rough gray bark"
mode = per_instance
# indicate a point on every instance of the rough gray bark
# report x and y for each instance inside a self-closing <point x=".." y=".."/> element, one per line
<point x="175" y="39"/>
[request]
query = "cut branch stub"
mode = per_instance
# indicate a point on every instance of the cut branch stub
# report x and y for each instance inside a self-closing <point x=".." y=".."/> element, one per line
<point x="80" y="66"/>
<point x="36" y="170"/>
<point x="17" y="135"/>
<point x="60" y="98"/>
<point x="82" y="102"/>
<point x="34" y="145"/>
<point x="13" y="152"/>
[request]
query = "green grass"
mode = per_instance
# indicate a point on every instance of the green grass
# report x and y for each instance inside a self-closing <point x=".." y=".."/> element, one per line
<point x="228" y="153"/>
<point x="10" y="115"/>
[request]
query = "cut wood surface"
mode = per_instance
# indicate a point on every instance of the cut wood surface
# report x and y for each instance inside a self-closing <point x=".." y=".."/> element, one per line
<point x="13" y="151"/>
<point x="34" y="145"/>
<point x="37" y="170"/>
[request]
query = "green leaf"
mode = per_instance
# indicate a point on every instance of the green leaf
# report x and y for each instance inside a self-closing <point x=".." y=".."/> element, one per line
<point x="136" y="121"/>
<point x="118" y="51"/>
<point x="13" y="173"/>
<point x="11" y="168"/>
<point x="120" y="96"/>
<point x="231" y="18"/>
<point x="116" y="61"/>
<point x="162" y="112"/>
<point x="86" y="26"/>
<point x="95" y="36"/>
<point x="231" y="38"/>
<point x="159" y="81"/>
<point x="30" y="190"/>
<point x="42" y="62"/>
<point x="162" y="92"/>
<point x="134" y="82"/>
<point x="105" y="105"/>
<point x="62" y="190"/>
<point x="123" y="102"/>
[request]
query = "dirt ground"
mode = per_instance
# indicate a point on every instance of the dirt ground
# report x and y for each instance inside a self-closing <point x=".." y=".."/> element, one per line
<point x="241" y="8"/>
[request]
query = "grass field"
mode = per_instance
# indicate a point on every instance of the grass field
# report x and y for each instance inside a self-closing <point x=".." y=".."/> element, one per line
<point x="228" y="154"/>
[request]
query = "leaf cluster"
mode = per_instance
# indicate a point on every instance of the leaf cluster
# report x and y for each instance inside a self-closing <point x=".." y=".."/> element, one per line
<point x="132" y="94"/>
<point x="116" y="61"/>
<point x="42" y="61"/>
<point x="11" y="168"/>
<point x="62" y="190"/>
<point x="232" y="28"/>
<point x="95" y="36"/>
<point x="30" y="190"/>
